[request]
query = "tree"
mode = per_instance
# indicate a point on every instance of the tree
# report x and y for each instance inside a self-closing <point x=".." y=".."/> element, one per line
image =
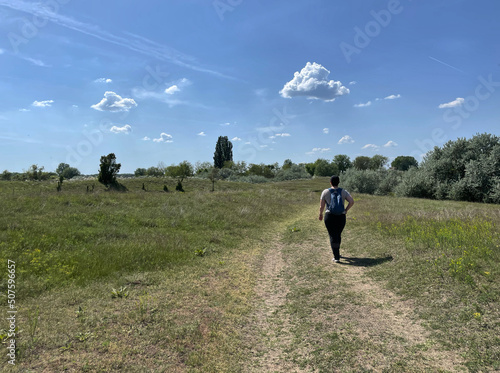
<point x="140" y="172"/>
<point x="403" y="163"/>
<point x="64" y="170"/>
<point x="108" y="170"/>
<point x="343" y="162"/>
<point x="310" y="168"/>
<point x="181" y="171"/>
<point x="287" y="164"/>
<point x="362" y="162"/>
<point x="35" y="172"/>
<point x="378" y="161"/>
<point x="223" y="151"/>
<point x="213" y="175"/>
<point x="6" y="175"/>
<point x="325" y="168"/>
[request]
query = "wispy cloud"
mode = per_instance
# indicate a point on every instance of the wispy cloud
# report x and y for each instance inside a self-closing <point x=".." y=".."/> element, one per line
<point x="202" y="134"/>
<point x="346" y="140"/>
<point x="130" y="41"/>
<point x="455" y="103"/>
<point x="326" y="131"/>
<point x="46" y="103"/>
<point x="103" y="80"/>
<point x="392" y="97"/>
<point x="390" y="144"/>
<point x="363" y="105"/>
<point x="126" y="129"/>
<point x="164" y="137"/>
<point x="370" y="147"/>
<point x="235" y="139"/>
<point x="318" y="151"/>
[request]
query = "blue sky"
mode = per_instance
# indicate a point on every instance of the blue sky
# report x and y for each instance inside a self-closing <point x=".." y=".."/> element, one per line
<point x="159" y="81"/>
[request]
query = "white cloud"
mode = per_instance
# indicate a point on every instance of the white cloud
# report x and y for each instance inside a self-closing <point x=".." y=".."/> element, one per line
<point x="346" y="140"/>
<point x="145" y="138"/>
<point x="318" y="150"/>
<point x="172" y="89"/>
<point x="457" y="102"/>
<point x="225" y="124"/>
<point x="24" y="110"/>
<point x="235" y="139"/>
<point x="126" y="129"/>
<point x="370" y="147"/>
<point x="114" y="103"/>
<point x="326" y="131"/>
<point x="202" y="134"/>
<point x="46" y="103"/>
<point x="103" y="80"/>
<point x="390" y="144"/>
<point x="392" y="97"/>
<point x="353" y="82"/>
<point x="363" y="105"/>
<point x="164" y="137"/>
<point x="283" y="135"/>
<point x="312" y="82"/>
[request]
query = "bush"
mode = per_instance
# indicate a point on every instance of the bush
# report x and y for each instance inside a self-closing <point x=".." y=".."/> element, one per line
<point x="390" y="179"/>
<point x="292" y="173"/>
<point x="361" y="181"/>
<point x="416" y="183"/>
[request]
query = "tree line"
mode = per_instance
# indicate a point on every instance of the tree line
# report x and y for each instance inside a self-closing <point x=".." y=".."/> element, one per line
<point x="464" y="169"/>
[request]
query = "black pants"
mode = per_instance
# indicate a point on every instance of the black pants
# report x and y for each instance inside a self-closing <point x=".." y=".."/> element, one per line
<point x="335" y="225"/>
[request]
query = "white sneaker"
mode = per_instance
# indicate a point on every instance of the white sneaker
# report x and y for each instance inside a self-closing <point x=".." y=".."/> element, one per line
<point x="335" y="260"/>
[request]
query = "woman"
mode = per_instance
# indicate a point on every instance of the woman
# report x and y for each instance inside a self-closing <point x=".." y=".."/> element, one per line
<point x="335" y="216"/>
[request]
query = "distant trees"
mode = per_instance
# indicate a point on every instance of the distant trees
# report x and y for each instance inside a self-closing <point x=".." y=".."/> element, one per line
<point x="342" y="162"/>
<point x="403" y="163"/>
<point x="366" y="163"/>
<point x="223" y="151"/>
<point x="108" y="169"/>
<point x="180" y="172"/>
<point x="66" y="172"/>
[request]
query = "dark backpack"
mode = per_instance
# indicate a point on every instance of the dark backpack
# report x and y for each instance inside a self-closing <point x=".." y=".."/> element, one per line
<point x="336" y="206"/>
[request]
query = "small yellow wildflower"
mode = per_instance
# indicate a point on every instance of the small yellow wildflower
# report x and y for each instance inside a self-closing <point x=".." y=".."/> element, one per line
<point x="477" y="315"/>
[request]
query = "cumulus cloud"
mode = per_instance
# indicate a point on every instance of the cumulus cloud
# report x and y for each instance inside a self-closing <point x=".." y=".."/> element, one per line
<point x="103" y="80"/>
<point x="235" y="139"/>
<point x="46" y="103"/>
<point x="353" y="82"/>
<point x="145" y="138"/>
<point x="457" y="102"/>
<point x="114" y="103"/>
<point x="390" y="144"/>
<point x="346" y="140"/>
<point x="312" y="82"/>
<point x="172" y="89"/>
<point x="126" y="129"/>
<point x="202" y="134"/>
<point x="326" y="131"/>
<point x="164" y="137"/>
<point x="370" y="147"/>
<point x="363" y="105"/>
<point x="392" y="97"/>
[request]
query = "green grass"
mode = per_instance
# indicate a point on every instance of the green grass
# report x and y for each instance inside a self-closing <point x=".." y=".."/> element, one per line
<point x="165" y="282"/>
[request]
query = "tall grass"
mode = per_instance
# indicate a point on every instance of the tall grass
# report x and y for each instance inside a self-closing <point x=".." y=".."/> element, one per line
<point x="76" y="237"/>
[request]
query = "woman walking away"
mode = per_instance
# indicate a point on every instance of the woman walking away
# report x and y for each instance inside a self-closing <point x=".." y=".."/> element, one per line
<point x="333" y="198"/>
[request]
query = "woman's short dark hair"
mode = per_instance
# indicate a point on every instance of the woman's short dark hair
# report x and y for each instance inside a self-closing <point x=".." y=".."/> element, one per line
<point x="335" y="180"/>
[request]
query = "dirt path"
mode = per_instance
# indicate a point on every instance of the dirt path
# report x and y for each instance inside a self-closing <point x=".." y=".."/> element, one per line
<point x="345" y="322"/>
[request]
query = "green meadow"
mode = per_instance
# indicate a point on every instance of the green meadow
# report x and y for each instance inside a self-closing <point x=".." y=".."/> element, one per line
<point x="147" y="280"/>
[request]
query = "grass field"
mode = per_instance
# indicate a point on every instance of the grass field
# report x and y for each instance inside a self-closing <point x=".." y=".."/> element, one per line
<point x="240" y="280"/>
